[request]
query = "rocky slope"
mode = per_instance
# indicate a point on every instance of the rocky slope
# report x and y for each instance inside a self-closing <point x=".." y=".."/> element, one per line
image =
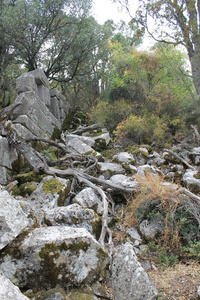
<point x="60" y="222"/>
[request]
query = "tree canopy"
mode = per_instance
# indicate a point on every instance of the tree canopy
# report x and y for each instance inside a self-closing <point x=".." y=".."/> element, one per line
<point x="177" y="22"/>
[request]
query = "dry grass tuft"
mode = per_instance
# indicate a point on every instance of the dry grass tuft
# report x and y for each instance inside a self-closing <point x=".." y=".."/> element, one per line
<point x="179" y="282"/>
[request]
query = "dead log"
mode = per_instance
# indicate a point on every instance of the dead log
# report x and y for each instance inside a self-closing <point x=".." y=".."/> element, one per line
<point x="82" y="129"/>
<point x="181" y="159"/>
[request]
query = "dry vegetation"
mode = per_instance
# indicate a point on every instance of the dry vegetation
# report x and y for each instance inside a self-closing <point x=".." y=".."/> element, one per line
<point x="179" y="282"/>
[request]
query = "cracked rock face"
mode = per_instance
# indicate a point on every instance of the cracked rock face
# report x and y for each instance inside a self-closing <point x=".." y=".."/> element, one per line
<point x="129" y="279"/>
<point x="12" y="219"/>
<point x="55" y="255"/>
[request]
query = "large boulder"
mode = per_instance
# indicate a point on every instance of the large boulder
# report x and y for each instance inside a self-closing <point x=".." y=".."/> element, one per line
<point x="32" y="107"/>
<point x="50" y="193"/>
<point x="12" y="219"/>
<point x="8" y="291"/>
<point x="55" y="256"/>
<point x="74" y="215"/>
<point x="129" y="279"/>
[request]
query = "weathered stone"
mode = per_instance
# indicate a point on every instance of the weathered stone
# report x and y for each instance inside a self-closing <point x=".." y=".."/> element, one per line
<point x="129" y="279"/>
<point x="124" y="157"/>
<point x="124" y="180"/>
<point x="50" y="193"/>
<point x="55" y="107"/>
<point x="32" y="106"/>
<point x="73" y="215"/>
<point x="87" y="198"/>
<point x="12" y="219"/>
<point x="55" y="93"/>
<point x="44" y="94"/>
<point x="30" y="125"/>
<point x="108" y="169"/>
<point x="56" y="256"/>
<point x="76" y="145"/>
<point x="134" y="236"/>
<point x="40" y="77"/>
<point x="8" y="291"/>
<point x="23" y="131"/>
<point x="148" y="170"/>
<point x="191" y="182"/>
<point x="7" y="156"/>
<point x="152" y="229"/>
<point x="26" y="82"/>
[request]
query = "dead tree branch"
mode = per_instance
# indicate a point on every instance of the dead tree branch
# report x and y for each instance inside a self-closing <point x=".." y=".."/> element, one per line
<point x="82" y="129"/>
<point x="181" y="159"/>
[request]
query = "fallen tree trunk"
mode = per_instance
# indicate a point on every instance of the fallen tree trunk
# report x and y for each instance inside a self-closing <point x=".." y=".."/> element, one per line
<point x="181" y="159"/>
<point x="82" y="129"/>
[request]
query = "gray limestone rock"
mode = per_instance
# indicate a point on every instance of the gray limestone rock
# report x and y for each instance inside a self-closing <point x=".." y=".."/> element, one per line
<point x="24" y="132"/>
<point x="76" y="145"/>
<point x="44" y="94"/>
<point x="30" y="125"/>
<point x="124" y="157"/>
<point x="148" y="170"/>
<point x="150" y="230"/>
<point x="191" y="182"/>
<point x="40" y="77"/>
<point x="88" y="198"/>
<point x="73" y="215"/>
<point x="36" y="110"/>
<point x="12" y="219"/>
<point x="50" y="193"/>
<point x="55" y="107"/>
<point x="124" y="180"/>
<point x="55" y="256"/>
<point x="8" y="291"/>
<point x="7" y="156"/>
<point x="26" y="82"/>
<point x="109" y="169"/>
<point x="129" y="279"/>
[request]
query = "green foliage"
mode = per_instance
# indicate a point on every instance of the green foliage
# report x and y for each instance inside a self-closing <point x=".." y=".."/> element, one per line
<point x="152" y="91"/>
<point x="110" y="114"/>
<point x="142" y="129"/>
<point x="192" y="251"/>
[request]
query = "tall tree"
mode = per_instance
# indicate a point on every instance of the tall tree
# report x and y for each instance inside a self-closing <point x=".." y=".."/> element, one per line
<point x="177" y="22"/>
<point x="48" y="34"/>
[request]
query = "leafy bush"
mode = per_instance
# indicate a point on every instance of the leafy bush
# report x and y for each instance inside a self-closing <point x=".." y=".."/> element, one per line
<point x="142" y="129"/>
<point x="110" y="114"/>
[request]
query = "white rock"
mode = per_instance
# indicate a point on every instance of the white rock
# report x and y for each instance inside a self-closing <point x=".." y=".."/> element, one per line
<point x="56" y="255"/>
<point x="8" y="291"/>
<point x="124" y="157"/>
<point x="108" y="169"/>
<point x="72" y="215"/>
<point x="39" y="199"/>
<point x="88" y="198"/>
<point x="12" y="219"/>
<point x="124" y="180"/>
<point x="129" y="279"/>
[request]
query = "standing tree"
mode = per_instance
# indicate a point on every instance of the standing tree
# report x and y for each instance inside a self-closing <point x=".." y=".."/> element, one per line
<point x="54" y="35"/>
<point x="177" y="22"/>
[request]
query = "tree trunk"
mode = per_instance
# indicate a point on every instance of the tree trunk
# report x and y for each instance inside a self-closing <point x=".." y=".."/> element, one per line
<point x="195" y="65"/>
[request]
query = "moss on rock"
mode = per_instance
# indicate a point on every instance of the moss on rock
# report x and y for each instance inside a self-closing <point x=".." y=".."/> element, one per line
<point x="53" y="186"/>
<point x="29" y="177"/>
